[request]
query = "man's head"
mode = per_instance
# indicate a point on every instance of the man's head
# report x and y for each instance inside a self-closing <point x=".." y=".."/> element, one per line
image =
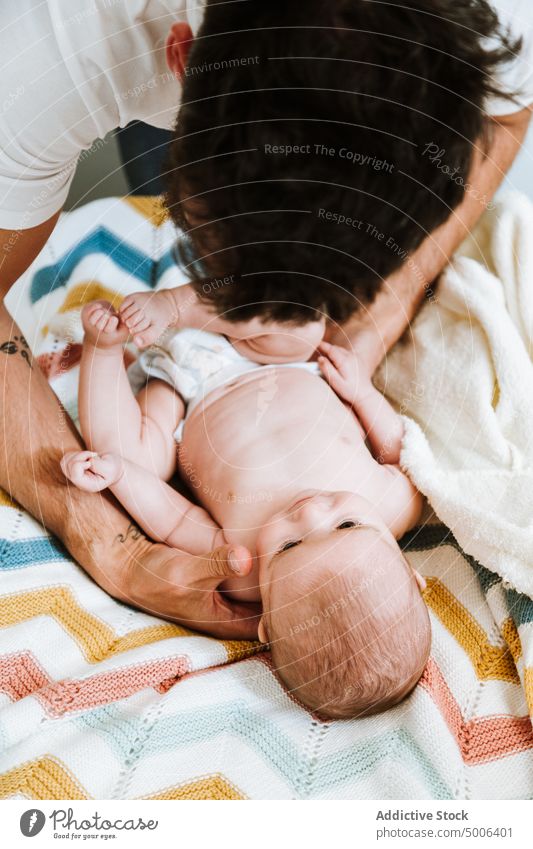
<point x="303" y="161"/>
<point x="348" y="628"/>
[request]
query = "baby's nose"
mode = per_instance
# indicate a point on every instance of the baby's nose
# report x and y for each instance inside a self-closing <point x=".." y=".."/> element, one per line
<point x="314" y="511"/>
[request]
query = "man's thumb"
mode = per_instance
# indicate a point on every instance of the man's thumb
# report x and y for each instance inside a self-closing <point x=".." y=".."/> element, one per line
<point x="229" y="561"/>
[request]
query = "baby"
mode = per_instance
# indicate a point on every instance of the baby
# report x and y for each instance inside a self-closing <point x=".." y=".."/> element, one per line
<point x="279" y="464"/>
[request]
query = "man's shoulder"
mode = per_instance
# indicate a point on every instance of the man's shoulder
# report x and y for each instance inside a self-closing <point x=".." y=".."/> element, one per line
<point x="515" y="76"/>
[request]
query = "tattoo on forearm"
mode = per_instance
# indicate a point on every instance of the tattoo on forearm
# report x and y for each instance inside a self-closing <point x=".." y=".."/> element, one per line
<point x="17" y="345"/>
<point x="133" y="532"/>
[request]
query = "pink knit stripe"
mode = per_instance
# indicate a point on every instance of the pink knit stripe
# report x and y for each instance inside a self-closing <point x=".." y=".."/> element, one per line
<point x="21" y="675"/>
<point x="484" y="738"/>
<point x="61" y="697"/>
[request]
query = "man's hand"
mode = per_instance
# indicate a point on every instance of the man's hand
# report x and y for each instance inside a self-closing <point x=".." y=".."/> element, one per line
<point x="183" y="588"/>
<point x="35" y="432"/>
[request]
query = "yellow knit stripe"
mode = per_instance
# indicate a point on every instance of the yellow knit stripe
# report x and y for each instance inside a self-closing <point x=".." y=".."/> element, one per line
<point x="90" y="290"/>
<point x="43" y="778"/>
<point x="7" y="501"/>
<point x="528" y="688"/>
<point x="512" y="638"/>
<point x="239" y="649"/>
<point x="210" y="787"/>
<point x="150" y="206"/>
<point x="96" y="639"/>
<point x="490" y="662"/>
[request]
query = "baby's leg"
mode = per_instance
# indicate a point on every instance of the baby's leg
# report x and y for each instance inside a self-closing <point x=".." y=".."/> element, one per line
<point x="112" y="419"/>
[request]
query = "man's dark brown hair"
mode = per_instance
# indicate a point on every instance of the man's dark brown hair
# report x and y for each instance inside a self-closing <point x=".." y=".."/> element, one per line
<point x="303" y="161"/>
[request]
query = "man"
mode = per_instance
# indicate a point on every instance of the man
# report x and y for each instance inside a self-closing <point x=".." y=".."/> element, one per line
<point x="326" y="153"/>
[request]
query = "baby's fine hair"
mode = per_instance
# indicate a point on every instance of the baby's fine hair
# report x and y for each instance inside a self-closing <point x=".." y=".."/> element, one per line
<point x="356" y="641"/>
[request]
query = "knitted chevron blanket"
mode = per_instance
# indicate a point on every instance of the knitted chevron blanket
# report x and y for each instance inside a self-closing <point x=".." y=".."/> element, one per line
<point x="101" y="701"/>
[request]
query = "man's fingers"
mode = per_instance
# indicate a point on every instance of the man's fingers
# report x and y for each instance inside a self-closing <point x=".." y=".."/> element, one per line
<point x="235" y="620"/>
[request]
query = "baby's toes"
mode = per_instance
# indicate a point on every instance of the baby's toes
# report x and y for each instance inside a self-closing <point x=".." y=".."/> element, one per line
<point x="126" y="303"/>
<point x="129" y="310"/>
<point x="148" y="336"/>
<point x="142" y="324"/>
<point x="135" y="322"/>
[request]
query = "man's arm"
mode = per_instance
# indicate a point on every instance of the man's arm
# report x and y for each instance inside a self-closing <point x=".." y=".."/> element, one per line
<point x="372" y="333"/>
<point x="35" y="432"/>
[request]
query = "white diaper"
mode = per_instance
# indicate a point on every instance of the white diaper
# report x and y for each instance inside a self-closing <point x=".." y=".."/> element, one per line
<point x="194" y="363"/>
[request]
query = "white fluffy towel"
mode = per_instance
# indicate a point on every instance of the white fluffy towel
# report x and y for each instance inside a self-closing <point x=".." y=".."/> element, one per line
<point x="463" y="380"/>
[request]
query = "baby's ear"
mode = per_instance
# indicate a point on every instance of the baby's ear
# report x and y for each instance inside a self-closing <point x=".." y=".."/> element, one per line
<point x="261" y="631"/>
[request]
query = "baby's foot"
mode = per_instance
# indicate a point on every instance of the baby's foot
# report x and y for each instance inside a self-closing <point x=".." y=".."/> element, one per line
<point x="102" y="325"/>
<point x="91" y="471"/>
<point x="147" y="315"/>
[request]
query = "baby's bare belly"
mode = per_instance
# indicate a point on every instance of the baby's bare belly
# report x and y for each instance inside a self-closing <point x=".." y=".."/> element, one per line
<point x="262" y="434"/>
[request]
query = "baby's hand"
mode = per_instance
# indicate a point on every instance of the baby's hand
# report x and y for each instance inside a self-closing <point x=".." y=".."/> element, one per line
<point x="383" y="426"/>
<point x="341" y="370"/>
<point x="148" y="314"/>
<point x="91" y="471"/>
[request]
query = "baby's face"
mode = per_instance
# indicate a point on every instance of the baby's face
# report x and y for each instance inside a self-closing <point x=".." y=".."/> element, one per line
<point x="314" y="516"/>
<point x="318" y="527"/>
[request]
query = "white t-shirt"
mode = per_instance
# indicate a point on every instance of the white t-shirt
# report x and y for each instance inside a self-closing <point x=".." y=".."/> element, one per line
<point x="72" y="70"/>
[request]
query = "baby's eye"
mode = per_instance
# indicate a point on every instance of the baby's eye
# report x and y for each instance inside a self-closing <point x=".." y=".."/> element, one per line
<point x="289" y="544"/>
<point x="347" y="524"/>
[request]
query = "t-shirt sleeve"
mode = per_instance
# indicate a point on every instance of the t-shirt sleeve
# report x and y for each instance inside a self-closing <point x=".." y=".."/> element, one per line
<point x="516" y="76"/>
<point x="30" y="193"/>
<point x="44" y="123"/>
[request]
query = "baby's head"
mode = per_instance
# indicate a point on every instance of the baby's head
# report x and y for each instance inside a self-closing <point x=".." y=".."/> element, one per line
<point x="342" y="609"/>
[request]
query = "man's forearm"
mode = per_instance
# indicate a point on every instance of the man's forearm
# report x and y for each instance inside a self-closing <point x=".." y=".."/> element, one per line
<point x="382" y="324"/>
<point x="35" y="432"/>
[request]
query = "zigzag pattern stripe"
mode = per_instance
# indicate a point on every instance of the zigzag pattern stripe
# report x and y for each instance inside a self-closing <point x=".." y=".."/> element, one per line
<point x="489" y="662"/>
<point x="96" y="639"/>
<point x="21" y="553"/>
<point x="100" y="241"/>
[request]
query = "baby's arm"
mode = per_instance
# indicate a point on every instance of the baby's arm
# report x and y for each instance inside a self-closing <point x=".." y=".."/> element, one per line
<point x="164" y="514"/>
<point x="382" y="425"/>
